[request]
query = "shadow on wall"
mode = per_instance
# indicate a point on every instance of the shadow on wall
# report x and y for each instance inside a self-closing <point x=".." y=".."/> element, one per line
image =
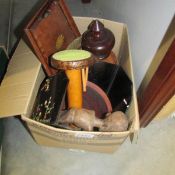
<point x="4" y="21"/>
<point x="22" y="12"/>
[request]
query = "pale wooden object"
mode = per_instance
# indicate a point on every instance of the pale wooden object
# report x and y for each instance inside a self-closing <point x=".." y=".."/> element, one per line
<point x="82" y="118"/>
<point x="85" y="77"/>
<point x="86" y="119"/>
<point x="74" y="89"/>
<point x="74" y="62"/>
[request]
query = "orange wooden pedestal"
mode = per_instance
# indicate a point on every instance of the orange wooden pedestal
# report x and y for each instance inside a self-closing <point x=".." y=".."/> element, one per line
<point x="74" y="90"/>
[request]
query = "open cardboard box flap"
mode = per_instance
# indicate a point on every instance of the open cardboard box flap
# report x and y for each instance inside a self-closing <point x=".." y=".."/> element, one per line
<point x="22" y="80"/>
<point x="17" y="86"/>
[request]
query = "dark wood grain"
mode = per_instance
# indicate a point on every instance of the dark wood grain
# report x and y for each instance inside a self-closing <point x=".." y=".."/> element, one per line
<point x="98" y="39"/>
<point x="160" y="89"/>
<point x="52" y="20"/>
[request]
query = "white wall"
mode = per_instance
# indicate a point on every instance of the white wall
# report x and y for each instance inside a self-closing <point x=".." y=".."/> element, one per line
<point x="147" y="22"/>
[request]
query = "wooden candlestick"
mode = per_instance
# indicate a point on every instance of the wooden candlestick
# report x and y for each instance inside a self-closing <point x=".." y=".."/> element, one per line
<point x="74" y="62"/>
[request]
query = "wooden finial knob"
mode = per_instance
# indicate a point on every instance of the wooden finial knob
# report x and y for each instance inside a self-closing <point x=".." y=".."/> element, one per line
<point x="98" y="40"/>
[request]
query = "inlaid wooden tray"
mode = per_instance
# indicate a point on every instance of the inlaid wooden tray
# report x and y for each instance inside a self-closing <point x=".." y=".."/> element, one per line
<point x="51" y="29"/>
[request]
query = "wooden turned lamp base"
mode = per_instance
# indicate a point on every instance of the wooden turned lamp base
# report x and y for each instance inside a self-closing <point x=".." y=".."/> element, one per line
<point x="74" y="62"/>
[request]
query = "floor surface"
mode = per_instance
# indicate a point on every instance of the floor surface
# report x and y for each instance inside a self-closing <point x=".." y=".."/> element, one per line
<point x="154" y="154"/>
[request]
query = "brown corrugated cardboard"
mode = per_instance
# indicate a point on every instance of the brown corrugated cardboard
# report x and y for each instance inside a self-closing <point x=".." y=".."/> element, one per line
<point x="21" y="84"/>
<point x="18" y="84"/>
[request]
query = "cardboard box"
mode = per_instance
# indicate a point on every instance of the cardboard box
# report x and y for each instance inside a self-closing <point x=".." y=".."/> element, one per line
<point x="21" y="83"/>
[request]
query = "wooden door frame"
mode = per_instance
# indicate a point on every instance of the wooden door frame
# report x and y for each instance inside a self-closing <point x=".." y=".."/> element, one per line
<point x="160" y="88"/>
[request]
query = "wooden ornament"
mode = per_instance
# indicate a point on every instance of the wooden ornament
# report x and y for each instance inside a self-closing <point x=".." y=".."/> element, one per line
<point x="82" y="118"/>
<point x="74" y="62"/>
<point x="86" y="119"/>
<point x="74" y="89"/>
<point x="98" y="40"/>
<point x="115" y="122"/>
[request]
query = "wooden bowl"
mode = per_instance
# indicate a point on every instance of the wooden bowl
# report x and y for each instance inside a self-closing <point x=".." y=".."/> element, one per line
<point x="96" y="99"/>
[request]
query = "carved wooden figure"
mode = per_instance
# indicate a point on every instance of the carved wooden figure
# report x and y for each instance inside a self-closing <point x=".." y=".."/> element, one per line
<point x="86" y="119"/>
